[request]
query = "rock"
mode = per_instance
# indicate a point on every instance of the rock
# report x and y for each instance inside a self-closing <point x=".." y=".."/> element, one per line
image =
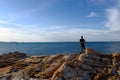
<point x="118" y="73"/>
<point x="11" y="58"/>
<point x="50" y="70"/>
<point x="38" y="69"/>
<point x="115" y="55"/>
<point x="12" y="70"/>
<point x="69" y="57"/>
<point x="90" y="65"/>
<point x="33" y="59"/>
<point x="58" y="78"/>
<point x="89" y="50"/>
<point x="114" y="72"/>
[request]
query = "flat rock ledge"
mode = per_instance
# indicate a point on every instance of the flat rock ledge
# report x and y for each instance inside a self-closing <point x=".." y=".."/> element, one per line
<point x="89" y="65"/>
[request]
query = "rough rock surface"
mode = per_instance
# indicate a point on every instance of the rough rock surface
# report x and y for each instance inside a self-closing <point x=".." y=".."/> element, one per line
<point x="89" y="65"/>
<point x="11" y="58"/>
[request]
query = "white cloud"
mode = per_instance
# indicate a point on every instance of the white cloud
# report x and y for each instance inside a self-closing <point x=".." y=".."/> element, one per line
<point x="7" y="22"/>
<point x="20" y="34"/>
<point x="113" y="17"/>
<point x="2" y="22"/>
<point x="55" y="34"/>
<point x="92" y="14"/>
<point x="113" y="22"/>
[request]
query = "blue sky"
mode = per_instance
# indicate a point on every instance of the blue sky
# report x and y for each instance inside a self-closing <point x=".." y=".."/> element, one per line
<point x="59" y="20"/>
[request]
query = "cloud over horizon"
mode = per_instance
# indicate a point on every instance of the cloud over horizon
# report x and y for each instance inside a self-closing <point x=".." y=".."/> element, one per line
<point x="113" y="16"/>
<point x="54" y="34"/>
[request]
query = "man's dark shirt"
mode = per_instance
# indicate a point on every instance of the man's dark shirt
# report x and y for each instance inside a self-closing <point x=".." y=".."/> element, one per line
<point x="82" y="42"/>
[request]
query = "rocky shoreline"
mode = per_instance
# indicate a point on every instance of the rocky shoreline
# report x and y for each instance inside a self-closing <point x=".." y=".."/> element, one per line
<point x="90" y="65"/>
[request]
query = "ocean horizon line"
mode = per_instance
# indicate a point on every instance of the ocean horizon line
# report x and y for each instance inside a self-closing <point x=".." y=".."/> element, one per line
<point x="50" y="41"/>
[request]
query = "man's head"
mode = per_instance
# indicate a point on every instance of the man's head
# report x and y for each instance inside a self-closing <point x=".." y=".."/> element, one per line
<point x="81" y="37"/>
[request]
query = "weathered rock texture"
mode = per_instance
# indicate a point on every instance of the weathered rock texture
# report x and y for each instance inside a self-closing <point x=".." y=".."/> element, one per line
<point x="11" y="58"/>
<point x="89" y="65"/>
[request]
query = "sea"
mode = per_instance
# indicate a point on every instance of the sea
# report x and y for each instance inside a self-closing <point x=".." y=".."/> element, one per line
<point x="49" y="48"/>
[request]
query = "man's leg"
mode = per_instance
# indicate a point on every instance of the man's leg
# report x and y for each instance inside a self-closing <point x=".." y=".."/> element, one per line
<point x="81" y="48"/>
<point x="84" y="47"/>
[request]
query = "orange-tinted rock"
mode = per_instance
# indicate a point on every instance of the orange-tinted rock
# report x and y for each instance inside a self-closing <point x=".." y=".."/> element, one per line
<point x="11" y="58"/>
<point x="90" y="65"/>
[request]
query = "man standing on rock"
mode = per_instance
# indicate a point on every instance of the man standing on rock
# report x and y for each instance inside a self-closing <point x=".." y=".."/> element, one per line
<point x="82" y="44"/>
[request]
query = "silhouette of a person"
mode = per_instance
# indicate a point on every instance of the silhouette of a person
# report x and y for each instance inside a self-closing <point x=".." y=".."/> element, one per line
<point x="82" y="44"/>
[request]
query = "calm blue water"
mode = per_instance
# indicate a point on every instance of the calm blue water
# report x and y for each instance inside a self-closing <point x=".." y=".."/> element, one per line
<point x="57" y="47"/>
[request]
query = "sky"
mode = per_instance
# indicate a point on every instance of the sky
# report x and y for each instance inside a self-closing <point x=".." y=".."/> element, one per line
<point x="59" y="20"/>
